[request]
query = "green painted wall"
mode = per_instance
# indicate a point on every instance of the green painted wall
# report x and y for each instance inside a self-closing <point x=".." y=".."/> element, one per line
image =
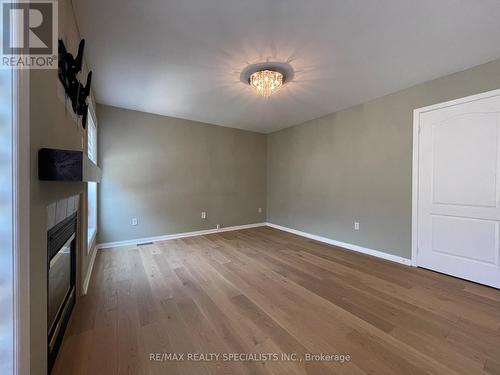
<point x="166" y="171"/>
<point x="356" y="164"/>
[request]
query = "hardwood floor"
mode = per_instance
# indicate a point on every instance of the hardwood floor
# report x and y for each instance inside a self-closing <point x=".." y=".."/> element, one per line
<point x="262" y="290"/>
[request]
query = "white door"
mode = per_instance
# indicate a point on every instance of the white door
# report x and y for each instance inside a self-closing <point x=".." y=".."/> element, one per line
<point x="458" y="196"/>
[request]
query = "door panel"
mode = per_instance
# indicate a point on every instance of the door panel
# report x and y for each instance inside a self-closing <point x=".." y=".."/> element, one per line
<point x="456" y="237"/>
<point x="459" y="178"/>
<point x="458" y="190"/>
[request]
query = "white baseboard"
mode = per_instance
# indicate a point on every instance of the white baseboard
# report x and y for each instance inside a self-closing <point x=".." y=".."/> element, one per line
<point x="175" y="235"/>
<point x="345" y="245"/>
<point x="86" y="281"/>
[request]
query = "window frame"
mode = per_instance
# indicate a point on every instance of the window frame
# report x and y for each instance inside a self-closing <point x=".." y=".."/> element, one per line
<point x="91" y="135"/>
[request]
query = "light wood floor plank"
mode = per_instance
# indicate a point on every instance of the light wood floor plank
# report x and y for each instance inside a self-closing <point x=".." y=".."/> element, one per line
<point x="262" y="290"/>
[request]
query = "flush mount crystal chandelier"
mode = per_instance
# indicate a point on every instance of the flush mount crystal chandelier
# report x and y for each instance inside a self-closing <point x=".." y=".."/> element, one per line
<point x="268" y="77"/>
<point x="266" y="82"/>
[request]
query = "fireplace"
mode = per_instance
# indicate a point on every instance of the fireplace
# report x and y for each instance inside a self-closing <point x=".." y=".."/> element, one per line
<point x="61" y="281"/>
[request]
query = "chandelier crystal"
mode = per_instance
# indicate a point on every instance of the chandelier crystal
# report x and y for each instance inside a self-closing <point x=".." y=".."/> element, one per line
<point x="266" y="82"/>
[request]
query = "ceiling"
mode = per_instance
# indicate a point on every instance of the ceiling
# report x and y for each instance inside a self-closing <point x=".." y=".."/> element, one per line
<point x="183" y="58"/>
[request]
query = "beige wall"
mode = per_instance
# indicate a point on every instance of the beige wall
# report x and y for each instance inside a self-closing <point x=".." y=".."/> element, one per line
<point x="356" y="165"/>
<point x="166" y="171"/>
<point x="51" y="125"/>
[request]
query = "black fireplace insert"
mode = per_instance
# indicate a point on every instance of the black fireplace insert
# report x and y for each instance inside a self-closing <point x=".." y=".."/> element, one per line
<point x="61" y="281"/>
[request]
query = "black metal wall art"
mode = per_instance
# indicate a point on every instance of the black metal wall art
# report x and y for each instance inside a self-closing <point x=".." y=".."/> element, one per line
<point x="69" y="67"/>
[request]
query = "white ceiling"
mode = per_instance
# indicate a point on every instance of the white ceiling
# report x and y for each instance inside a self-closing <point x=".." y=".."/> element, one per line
<point x="183" y="58"/>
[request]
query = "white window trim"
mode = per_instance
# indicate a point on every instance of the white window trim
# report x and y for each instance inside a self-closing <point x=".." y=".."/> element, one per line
<point x="91" y="239"/>
<point x="91" y="235"/>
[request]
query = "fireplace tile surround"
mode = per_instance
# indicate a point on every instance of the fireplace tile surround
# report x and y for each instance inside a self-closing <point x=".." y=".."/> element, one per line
<point x="60" y="210"/>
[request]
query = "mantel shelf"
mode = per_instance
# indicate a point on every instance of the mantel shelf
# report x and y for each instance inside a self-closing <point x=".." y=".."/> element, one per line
<point x="66" y="165"/>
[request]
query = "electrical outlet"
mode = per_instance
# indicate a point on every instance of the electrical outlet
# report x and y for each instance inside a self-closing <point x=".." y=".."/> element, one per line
<point x="356" y="225"/>
<point x="134" y="221"/>
<point x="203" y="215"/>
<point x="260" y="210"/>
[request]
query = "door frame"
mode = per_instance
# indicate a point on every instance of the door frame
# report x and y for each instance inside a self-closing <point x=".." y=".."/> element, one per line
<point x="21" y="156"/>
<point x="415" y="160"/>
<point x="21" y="221"/>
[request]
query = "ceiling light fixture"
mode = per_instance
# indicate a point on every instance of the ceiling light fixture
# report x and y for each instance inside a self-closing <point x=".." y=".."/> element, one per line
<point x="266" y="82"/>
<point x="268" y="77"/>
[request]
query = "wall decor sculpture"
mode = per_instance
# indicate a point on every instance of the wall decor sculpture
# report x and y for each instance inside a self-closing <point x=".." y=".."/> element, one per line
<point x="69" y="67"/>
